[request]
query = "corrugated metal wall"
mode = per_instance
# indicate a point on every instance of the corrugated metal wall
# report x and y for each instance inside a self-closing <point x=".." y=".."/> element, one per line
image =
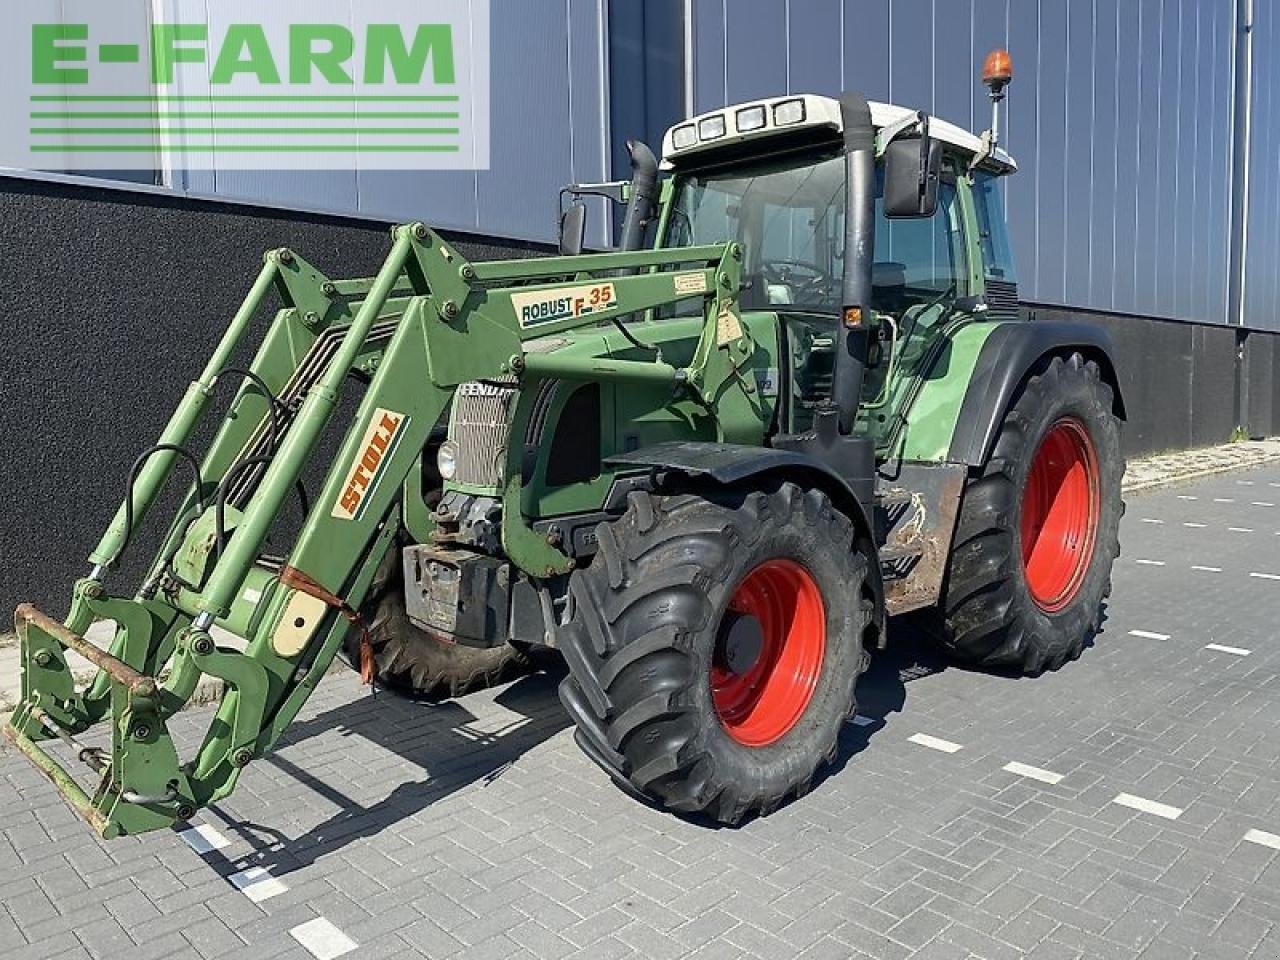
<point x="549" y="126"/>
<point x="1262" y="259"/>
<point x="1120" y="116"/>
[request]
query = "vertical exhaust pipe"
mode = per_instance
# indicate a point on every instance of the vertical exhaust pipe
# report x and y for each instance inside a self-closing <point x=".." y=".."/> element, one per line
<point x="852" y="334"/>
<point x="644" y="195"/>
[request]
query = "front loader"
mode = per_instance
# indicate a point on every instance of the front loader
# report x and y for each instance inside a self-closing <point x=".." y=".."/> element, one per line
<point x="705" y="472"/>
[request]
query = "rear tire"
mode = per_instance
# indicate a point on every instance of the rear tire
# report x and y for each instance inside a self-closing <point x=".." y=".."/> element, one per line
<point x="1038" y="530"/>
<point x="714" y="647"/>
<point x="412" y="661"/>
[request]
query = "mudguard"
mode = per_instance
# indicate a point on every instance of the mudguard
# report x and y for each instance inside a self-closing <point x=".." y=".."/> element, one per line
<point x="1007" y="356"/>
<point x="729" y="463"/>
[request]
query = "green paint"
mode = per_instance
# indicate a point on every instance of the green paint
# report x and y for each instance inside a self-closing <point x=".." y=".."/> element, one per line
<point x="243" y="98"/>
<point x="48" y="51"/>
<point x="432" y="43"/>
<point x="118" y="53"/>
<point x="330" y="62"/>
<point x="171" y="44"/>
<point x="931" y="419"/>
<point x="181" y="131"/>
<point x="245" y="50"/>
<point x="242" y="148"/>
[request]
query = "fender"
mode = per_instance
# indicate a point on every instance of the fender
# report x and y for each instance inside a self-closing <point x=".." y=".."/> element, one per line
<point x="1006" y="358"/>
<point x="730" y="463"/>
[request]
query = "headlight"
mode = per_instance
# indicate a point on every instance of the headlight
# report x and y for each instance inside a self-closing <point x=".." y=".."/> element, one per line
<point x="750" y="118"/>
<point x="685" y="136"/>
<point x="447" y="460"/>
<point x="788" y="111"/>
<point x="711" y="128"/>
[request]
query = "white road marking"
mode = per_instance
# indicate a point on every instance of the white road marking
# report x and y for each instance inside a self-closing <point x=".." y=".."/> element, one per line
<point x="1273" y="484"/>
<point x="1206" y="569"/>
<point x="1240" y="529"/>
<point x="257" y="884"/>
<point x="1266" y="576"/>
<point x="934" y="743"/>
<point x="1260" y="503"/>
<point x="1035" y="773"/>
<point x="1183" y="496"/>
<point x="1224" y="500"/>
<point x="1190" y="524"/>
<point x="322" y="939"/>
<point x="204" y="839"/>
<point x="1148" y="806"/>
<point x="1247" y="483"/>
<point x="1263" y="838"/>
<point x="860" y="721"/>
<point x="1234" y="651"/>
<point x="1148" y="635"/>
<point x="1151" y="520"/>
<point x="1150" y="563"/>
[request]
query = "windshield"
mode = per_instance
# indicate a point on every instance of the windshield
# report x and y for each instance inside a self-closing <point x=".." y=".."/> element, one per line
<point x="789" y="216"/>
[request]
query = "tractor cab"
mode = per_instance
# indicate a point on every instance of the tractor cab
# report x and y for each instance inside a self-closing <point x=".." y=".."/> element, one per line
<point x="771" y="175"/>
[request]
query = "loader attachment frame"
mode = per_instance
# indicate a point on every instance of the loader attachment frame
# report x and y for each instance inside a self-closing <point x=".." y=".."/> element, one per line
<point x="426" y="323"/>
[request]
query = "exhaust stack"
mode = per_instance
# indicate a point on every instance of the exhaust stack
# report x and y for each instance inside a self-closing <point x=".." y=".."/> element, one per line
<point x="644" y="195"/>
<point x="852" y="336"/>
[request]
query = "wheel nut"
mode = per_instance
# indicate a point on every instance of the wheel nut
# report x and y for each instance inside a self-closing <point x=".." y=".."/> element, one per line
<point x="241" y="757"/>
<point x="43" y="658"/>
<point x="141" y="732"/>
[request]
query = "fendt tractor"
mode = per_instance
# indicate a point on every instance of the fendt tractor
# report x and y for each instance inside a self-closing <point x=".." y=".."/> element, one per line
<point x="706" y="468"/>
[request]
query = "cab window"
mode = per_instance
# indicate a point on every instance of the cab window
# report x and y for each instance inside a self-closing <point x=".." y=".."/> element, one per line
<point x="789" y="216"/>
<point x="993" y="233"/>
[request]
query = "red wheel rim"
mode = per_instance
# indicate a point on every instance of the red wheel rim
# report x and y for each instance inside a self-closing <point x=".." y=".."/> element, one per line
<point x="760" y="701"/>
<point x="1060" y="514"/>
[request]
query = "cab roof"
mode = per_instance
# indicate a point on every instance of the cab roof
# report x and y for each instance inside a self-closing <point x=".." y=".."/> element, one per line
<point x="709" y="132"/>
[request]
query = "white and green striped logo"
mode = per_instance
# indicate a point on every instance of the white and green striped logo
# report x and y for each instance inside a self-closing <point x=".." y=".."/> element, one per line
<point x="114" y="84"/>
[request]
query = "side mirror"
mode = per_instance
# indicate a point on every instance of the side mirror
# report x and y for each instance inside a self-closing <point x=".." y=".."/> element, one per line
<point x="911" y="169"/>
<point x="573" y="229"/>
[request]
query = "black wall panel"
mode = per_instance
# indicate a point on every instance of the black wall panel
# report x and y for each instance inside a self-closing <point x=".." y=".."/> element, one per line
<point x="114" y="300"/>
<point x="112" y="303"/>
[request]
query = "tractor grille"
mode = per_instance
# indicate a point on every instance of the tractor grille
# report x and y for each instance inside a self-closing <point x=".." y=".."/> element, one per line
<point x="1002" y="300"/>
<point x="480" y="428"/>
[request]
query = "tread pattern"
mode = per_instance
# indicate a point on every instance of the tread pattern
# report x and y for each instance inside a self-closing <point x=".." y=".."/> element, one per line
<point x="644" y="618"/>
<point x="989" y="616"/>
<point x="412" y="661"/>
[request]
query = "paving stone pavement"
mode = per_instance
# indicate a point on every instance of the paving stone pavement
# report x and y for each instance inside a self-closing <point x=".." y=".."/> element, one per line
<point x="476" y="829"/>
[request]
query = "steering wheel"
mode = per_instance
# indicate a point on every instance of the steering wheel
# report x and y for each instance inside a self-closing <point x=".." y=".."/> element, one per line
<point x="799" y="275"/>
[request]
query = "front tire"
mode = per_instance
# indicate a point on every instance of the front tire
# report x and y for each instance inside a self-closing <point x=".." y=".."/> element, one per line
<point x="412" y="661"/>
<point x="1038" y="530"/>
<point x="714" y="647"/>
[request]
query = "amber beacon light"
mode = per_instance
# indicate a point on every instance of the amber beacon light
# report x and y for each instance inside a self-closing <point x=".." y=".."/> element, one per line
<point x="997" y="70"/>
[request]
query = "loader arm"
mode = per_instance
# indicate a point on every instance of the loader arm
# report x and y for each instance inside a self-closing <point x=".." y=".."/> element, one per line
<point x="426" y="323"/>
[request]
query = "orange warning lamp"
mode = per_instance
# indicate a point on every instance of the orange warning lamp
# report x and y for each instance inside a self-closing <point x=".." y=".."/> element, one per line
<point x="997" y="70"/>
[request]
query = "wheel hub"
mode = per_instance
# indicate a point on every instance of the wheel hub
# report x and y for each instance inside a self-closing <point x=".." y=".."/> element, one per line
<point x="1059" y="517"/>
<point x="769" y="652"/>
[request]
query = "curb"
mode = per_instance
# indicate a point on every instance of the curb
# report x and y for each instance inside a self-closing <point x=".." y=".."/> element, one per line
<point x="1256" y="458"/>
<point x="1155" y="482"/>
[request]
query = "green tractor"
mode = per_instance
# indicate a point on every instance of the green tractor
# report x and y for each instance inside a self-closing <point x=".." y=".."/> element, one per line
<point x="706" y="468"/>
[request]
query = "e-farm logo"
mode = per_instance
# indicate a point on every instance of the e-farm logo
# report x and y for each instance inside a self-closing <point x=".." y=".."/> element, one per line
<point x="381" y="84"/>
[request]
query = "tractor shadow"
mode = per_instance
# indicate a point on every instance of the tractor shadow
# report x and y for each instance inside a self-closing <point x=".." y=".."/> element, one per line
<point x="438" y="749"/>
<point x="444" y="748"/>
